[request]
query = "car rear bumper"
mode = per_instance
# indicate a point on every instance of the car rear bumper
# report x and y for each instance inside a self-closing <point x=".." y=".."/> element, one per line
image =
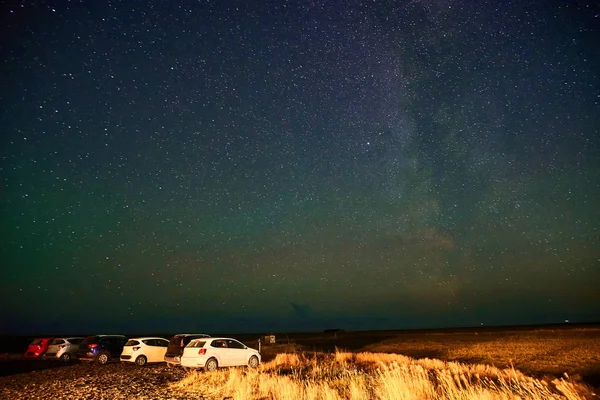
<point x="173" y="359"/>
<point x="193" y="362"/>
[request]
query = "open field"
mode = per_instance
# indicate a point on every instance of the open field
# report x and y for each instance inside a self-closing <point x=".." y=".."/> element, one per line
<point x="548" y="351"/>
<point x="527" y="363"/>
<point x="560" y="362"/>
<point x="377" y="376"/>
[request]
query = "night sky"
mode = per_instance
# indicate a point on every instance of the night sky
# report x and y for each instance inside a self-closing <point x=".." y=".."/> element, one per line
<point x="246" y="166"/>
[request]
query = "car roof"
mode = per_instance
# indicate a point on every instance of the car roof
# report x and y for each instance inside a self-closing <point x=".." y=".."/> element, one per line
<point x="108" y="335"/>
<point x="148" y="337"/>
<point x="192" y="334"/>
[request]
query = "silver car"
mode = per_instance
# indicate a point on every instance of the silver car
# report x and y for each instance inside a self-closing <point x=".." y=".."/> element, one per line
<point x="63" y="349"/>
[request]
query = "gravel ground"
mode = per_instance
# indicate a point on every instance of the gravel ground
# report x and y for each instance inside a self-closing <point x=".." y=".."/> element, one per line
<point x="87" y="381"/>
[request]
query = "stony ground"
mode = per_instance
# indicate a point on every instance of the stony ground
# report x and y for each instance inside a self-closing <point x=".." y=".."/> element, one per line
<point x="24" y="379"/>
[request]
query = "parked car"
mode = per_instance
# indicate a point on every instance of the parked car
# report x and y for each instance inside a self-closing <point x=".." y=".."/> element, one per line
<point x="176" y="345"/>
<point x="145" y="350"/>
<point x="212" y="353"/>
<point x="37" y="348"/>
<point x="101" y="348"/>
<point x="64" y="349"/>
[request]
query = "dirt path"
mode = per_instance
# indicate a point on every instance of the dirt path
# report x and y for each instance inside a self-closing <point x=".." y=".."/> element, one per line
<point x="86" y="381"/>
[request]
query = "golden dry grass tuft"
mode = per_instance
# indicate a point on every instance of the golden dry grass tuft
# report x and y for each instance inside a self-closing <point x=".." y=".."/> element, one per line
<point x="365" y="376"/>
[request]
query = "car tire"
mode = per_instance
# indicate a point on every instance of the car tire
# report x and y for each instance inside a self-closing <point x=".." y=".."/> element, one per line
<point x="141" y="361"/>
<point x="211" y="364"/>
<point x="102" y="358"/>
<point x="253" y="362"/>
<point x="66" y="357"/>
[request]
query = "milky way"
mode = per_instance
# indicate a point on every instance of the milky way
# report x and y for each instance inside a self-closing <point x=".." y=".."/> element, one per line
<point x="263" y="166"/>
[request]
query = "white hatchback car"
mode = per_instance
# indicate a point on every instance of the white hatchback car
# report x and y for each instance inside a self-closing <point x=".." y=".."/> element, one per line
<point x="64" y="349"/>
<point x="212" y="353"/>
<point x="145" y="350"/>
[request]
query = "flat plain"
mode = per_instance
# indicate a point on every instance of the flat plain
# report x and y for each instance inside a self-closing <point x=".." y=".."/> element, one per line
<point x="538" y="362"/>
<point x="538" y="351"/>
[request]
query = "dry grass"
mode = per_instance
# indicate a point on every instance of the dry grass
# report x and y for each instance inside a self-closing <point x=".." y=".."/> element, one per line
<point x="539" y="353"/>
<point x="366" y="375"/>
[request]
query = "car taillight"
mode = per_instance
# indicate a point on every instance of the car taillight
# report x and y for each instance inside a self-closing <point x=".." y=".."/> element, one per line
<point x="60" y="346"/>
<point x="136" y="348"/>
<point x="202" y="351"/>
<point x="92" y="345"/>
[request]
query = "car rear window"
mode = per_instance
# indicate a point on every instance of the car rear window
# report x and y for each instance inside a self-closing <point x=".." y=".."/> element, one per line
<point x="175" y="340"/>
<point x="197" y="343"/>
<point x="187" y="340"/>
<point x="90" y="339"/>
<point x="132" y="343"/>
<point x="181" y="341"/>
<point x="37" y="341"/>
<point x="57" y="341"/>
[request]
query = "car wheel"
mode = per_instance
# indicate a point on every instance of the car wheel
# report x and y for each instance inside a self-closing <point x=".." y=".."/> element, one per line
<point x="141" y="361"/>
<point x="66" y="357"/>
<point x="102" y="358"/>
<point x="253" y="363"/>
<point x="211" y="365"/>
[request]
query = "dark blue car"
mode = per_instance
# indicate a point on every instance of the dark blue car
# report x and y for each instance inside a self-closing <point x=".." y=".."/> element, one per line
<point x="101" y="348"/>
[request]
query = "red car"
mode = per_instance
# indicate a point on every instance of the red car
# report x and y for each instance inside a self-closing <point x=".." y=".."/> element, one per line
<point x="38" y="348"/>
